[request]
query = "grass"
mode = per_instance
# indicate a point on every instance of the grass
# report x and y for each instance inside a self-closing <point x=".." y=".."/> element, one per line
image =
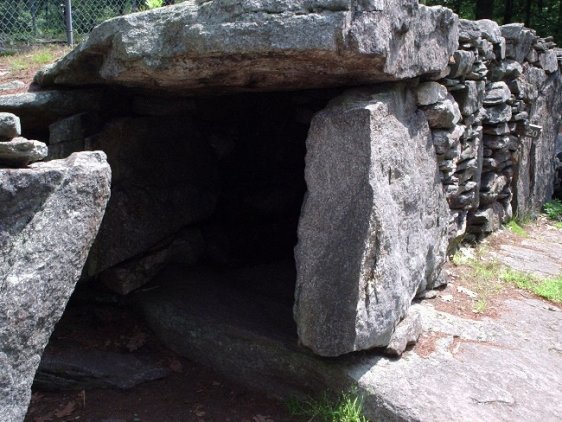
<point x="553" y="209"/>
<point x="558" y="225"/>
<point x="515" y="227"/>
<point x="486" y="279"/>
<point x="348" y="407"/>
<point x="34" y="58"/>
<point x="548" y="288"/>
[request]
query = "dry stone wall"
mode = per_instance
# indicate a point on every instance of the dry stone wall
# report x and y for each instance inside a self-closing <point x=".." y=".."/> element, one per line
<point x="493" y="163"/>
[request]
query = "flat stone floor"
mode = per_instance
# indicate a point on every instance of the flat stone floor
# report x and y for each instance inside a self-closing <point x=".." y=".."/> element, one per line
<point x="504" y="367"/>
<point x="467" y="367"/>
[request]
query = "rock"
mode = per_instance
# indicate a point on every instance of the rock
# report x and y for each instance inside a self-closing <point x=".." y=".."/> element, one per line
<point x="129" y="276"/>
<point x="71" y="369"/>
<point x="548" y="61"/>
<point x="469" y="31"/>
<point x="364" y="152"/>
<point x="499" y="129"/>
<point x="519" y="41"/>
<point x="497" y="114"/>
<point x="490" y="30"/>
<point x="429" y="93"/>
<point x="147" y="160"/>
<point x="497" y="93"/>
<point x="406" y="334"/>
<point x="37" y="110"/>
<point x="10" y="126"/>
<point x="470" y="99"/>
<point x="462" y="63"/>
<point x="262" y="45"/>
<point x="445" y="139"/>
<point x="535" y="170"/>
<point x="19" y="152"/>
<point x="444" y="114"/>
<point x="49" y="215"/>
<point x="506" y="69"/>
<point x="74" y="128"/>
<point x="12" y="85"/>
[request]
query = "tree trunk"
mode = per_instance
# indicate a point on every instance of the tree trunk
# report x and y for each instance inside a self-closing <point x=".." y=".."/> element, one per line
<point x="508" y="11"/>
<point x="528" y="13"/>
<point x="485" y="9"/>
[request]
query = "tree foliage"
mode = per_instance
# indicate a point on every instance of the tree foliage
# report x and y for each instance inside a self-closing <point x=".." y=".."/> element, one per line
<point x="543" y="15"/>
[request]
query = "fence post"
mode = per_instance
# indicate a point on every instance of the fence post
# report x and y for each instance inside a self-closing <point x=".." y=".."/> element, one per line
<point x="68" y="21"/>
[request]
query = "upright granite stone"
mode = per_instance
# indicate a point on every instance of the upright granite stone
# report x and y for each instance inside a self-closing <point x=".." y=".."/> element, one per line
<point x="259" y="45"/>
<point x="49" y="216"/>
<point x="373" y="226"/>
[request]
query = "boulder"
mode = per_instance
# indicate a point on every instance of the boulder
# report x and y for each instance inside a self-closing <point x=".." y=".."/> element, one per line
<point x="430" y="93"/>
<point x="497" y="114"/>
<point x="444" y="114"/>
<point x="37" y="110"/>
<point x="20" y="152"/>
<point x="10" y="126"/>
<point x="374" y="197"/>
<point x="49" y="216"/>
<point x="220" y="46"/>
<point x="519" y="41"/>
<point x="490" y="30"/>
<point x="165" y="177"/>
<point x="548" y="61"/>
<point x="497" y="93"/>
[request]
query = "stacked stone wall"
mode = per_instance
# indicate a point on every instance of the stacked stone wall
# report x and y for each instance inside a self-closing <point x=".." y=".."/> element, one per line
<point x="494" y="113"/>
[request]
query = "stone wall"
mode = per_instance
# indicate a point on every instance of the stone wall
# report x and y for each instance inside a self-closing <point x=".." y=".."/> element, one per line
<point x="500" y="81"/>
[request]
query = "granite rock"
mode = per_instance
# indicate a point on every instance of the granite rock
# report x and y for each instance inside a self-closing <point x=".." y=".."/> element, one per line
<point x="374" y="197"/>
<point x="49" y="216"/>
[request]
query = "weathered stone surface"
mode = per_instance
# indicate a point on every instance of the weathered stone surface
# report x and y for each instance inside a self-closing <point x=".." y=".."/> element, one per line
<point x="429" y="93"/>
<point x="497" y="93"/>
<point x="373" y="198"/>
<point x="490" y="30"/>
<point x="8" y="86"/>
<point x="444" y="114"/>
<point x="49" y="216"/>
<point x="519" y="41"/>
<point x="10" y="126"/>
<point x="445" y="139"/>
<point x="536" y="167"/>
<point x="37" y="110"/>
<point x="143" y="209"/>
<point x="469" y="31"/>
<point x="462" y="63"/>
<point x="73" y="369"/>
<point x="20" y="152"/>
<point x="406" y="334"/>
<point x="506" y="69"/>
<point x="548" y="61"/>
<point x="470" y="99"/>
<point x="263" y="45"/>
<point x="497" y="114"/>
<point x="499" y="369"/>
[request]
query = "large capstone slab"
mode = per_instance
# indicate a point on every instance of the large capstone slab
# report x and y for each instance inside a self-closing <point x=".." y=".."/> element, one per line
<point x="49" y="216"/>
<point x="373" y="225"/>
<point x="257" y="45"/>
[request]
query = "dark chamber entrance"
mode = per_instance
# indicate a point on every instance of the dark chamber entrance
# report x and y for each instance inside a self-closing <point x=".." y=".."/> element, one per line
<point x="222" y="289"/>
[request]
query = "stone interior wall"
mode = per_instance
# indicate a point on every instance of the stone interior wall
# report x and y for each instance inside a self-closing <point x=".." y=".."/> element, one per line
<point x="209" y="181"/>
<point x="500" y="80"/>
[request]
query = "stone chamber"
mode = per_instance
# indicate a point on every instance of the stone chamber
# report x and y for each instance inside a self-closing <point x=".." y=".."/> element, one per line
<point x="276" y="207"/>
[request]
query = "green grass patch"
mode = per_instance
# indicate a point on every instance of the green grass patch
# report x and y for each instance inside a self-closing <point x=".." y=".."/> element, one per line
<point x="553" y="209"/>
<point x="549" y="288"/>
<point x="516" y="228"/>
<point x="348" y="407"/>
<point x="558" y="225"/>
<point x="43" y="57"/>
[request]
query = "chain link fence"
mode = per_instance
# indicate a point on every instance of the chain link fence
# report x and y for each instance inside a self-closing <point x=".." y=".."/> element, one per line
<point x="41" y="21"/>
